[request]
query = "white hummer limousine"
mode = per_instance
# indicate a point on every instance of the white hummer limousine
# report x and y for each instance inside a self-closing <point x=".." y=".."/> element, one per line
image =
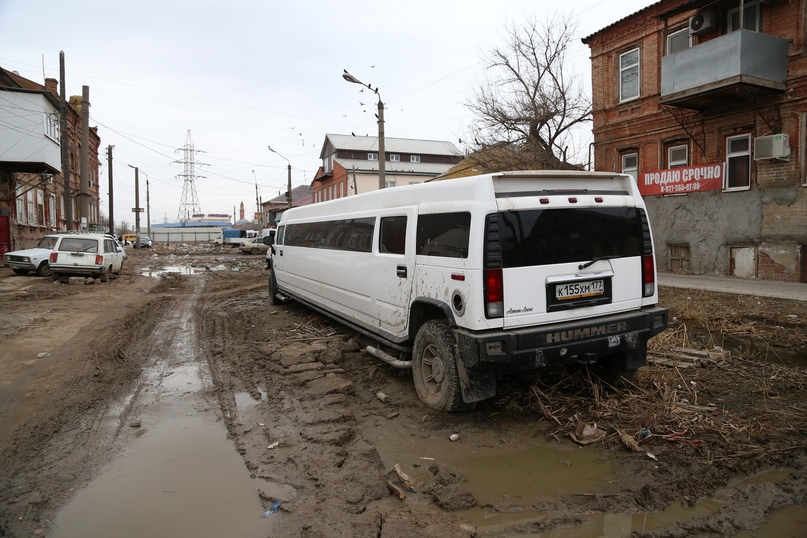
<point x="473" y="278"/>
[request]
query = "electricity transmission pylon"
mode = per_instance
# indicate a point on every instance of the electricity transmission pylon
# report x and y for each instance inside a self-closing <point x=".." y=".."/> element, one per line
<point x="189" y="204"/>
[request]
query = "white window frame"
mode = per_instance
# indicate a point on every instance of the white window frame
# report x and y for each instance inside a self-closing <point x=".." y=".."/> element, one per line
<point x="372" y="156"/>
<point x="52" y="209"/>
<point x="631" y="170"/>
<point x="394" y="157"/>
<point x="625" y="70"/>
<point x="737" y="154"/>
<point x="389" y="184"/>
<point x="414" y="158"/>
<point x="678" y="33"/>
<point x="673" y="162"/>
<point x="20" y="199"/>
<point x="30" y="200"/>
<point x="52" y="127"/>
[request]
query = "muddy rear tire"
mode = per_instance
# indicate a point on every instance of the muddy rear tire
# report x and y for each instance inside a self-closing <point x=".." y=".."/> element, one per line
<point x="104" y="276"/>
<point x="434" y="368"/>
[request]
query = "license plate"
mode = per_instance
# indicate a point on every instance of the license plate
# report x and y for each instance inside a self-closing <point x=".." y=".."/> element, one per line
<point x="579" y="290"/>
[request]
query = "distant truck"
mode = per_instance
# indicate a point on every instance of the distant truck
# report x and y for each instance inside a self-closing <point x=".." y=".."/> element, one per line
<point x="235" y="236"/>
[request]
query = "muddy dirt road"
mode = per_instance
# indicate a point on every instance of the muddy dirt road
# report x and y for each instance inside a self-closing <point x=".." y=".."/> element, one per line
<point x="332" y="439"/>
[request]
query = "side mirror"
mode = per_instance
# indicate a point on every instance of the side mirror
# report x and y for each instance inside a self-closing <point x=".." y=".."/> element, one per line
<point x="268" y="240"/>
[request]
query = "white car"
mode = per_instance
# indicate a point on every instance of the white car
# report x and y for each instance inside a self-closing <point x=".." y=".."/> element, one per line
<point x="87" y="255"/>
<point x="23" y="262"/>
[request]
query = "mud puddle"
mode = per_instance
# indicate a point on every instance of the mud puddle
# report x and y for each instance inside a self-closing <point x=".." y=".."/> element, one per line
<point x="157" y="272"/>
<point x="509" y="478"/>
<point x="179" y="474"/>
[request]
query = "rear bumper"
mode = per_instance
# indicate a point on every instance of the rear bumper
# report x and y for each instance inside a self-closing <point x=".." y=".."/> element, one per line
<point x="77" y="269"/>
<point x="582" y="341"/>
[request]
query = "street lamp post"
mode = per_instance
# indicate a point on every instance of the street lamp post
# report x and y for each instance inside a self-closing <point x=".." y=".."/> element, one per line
<point x="136" y="208"/>
<point x="288" y="195"/>
<point x="382" y="155"/>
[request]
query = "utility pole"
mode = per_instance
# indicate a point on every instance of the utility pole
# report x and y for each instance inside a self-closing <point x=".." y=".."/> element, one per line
<point x="148" y="209"/>
<point x="111" y="197"/>
<point x="64" y="141"/>
<point x="137" y="206"/>
<point x="290" y="200"/>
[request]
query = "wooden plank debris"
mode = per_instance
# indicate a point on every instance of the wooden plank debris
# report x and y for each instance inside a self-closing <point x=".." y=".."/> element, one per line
<point x="680" y="357"/>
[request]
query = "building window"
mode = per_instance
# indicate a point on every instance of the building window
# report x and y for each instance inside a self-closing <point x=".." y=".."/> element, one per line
<point x="750" y="17"/>
<point x="630" y="165"/>
<point x="389" y="184"/>
<point x="40" y="207"/>
<point x="414" y="158"/>
<point x="738" y="162"/>
<point x="52" y="127"/>
<point x="372" y="156"/>
<point x="677" y="156"/>
<point x="677" y="41"/>
<point x="52" y="210"/>
<point x="20" y="198"/>
<point x="394" y="157"/>
<point x="629" y="75"/>
<point x="30" y="198"/>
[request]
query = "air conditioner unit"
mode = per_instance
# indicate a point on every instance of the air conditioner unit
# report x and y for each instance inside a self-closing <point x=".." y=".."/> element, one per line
<point x="772" y="147"/>
<point x="703" y="21"/>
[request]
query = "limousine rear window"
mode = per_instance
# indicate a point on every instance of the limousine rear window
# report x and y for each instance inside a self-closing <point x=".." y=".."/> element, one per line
<point x="443" y="234"/>
<point x="550" y="236"/>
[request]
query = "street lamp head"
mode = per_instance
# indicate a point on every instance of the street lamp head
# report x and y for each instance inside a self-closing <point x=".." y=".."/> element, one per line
<point x="350" y="78"/>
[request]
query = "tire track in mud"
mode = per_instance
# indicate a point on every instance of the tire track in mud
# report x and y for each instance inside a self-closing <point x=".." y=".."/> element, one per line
<point x="291" y="409"/>
<point x="75" y="431"/>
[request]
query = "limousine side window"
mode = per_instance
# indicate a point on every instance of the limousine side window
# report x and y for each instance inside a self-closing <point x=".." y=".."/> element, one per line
<point x="346" y="234"/>
<point x="444" y="234"/>
<point x="392" y="235"/>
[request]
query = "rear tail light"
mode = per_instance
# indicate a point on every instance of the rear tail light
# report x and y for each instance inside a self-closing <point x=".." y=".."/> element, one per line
<point x="494" y="293"/>
<point x="99" y="259"/>
<point x="54" y="256"/>
<point x="648" y="276"/>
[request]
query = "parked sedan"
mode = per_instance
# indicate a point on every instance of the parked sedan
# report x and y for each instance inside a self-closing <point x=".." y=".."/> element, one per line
<point x="253" y="246"/>
<point x="23" y="262"/>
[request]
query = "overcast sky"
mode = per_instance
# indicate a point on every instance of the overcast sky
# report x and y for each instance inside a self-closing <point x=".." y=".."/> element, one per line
<point x="242" y="75"/>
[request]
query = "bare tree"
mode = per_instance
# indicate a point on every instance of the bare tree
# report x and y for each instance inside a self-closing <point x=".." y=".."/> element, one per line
<point x="529" y="105"/>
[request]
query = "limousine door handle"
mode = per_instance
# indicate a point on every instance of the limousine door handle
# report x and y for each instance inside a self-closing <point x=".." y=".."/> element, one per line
<point x="401" y="271"/>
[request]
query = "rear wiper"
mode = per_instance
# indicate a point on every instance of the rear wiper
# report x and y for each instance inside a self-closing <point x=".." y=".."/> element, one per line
<point x="595" y="260"/>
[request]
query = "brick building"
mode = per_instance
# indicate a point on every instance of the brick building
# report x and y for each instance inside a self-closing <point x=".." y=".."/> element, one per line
<point x="32" y="193"/>
<point x="350" y="164"/>
<point x="704" y="102"/>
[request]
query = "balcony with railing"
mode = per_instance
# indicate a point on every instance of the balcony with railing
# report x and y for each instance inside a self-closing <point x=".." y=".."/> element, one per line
<point x="725" y="70"/>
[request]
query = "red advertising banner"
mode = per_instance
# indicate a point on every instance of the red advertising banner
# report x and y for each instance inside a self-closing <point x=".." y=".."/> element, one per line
<point x="704" y="177"/>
